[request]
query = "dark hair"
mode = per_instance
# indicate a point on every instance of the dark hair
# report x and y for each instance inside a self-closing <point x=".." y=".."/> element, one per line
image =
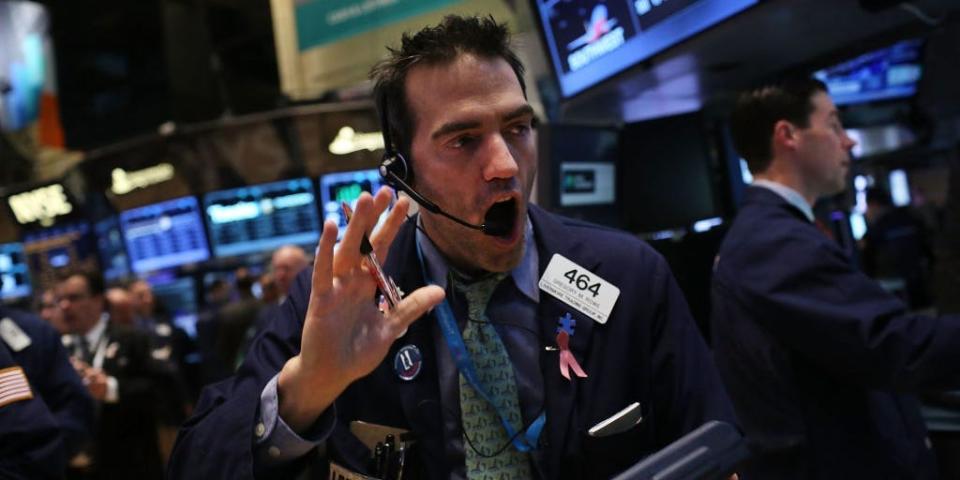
<point x="95" y="284"/>
<point x="442" y="44"/>
<point x="758" y="110"/>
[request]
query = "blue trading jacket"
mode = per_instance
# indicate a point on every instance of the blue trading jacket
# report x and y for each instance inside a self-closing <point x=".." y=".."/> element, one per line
<point x="37" y="436"/>
<point x="819" y="361"/>
<point x="648" y="351"/>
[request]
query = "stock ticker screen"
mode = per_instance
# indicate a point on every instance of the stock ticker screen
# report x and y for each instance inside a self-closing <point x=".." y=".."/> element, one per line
<point x="882" y="74"/>
<point x="164" y="235"/>
<point x="261" y="218"/>
<point x="15" y="272"/>
<point x="590" y="41"/>
<point x="113" y="253"/>
<point x="346" y="187"/>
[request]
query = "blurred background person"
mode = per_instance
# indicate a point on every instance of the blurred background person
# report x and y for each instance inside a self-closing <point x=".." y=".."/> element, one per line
<point x="121" y="307"/>
<point x="39" y="434"/>
<point x="286" y="262"/>
<point x="169" y="347"/>
<point x="120" y="374"/>
<point x="896" y="249"/>
<point x="49" y="311"/>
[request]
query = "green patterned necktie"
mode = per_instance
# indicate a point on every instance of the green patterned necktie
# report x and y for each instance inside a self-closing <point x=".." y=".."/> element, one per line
<point x="484" y="433"/>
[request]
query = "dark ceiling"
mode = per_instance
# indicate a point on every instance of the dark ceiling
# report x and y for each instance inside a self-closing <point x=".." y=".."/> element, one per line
<point x="124" y="67"/>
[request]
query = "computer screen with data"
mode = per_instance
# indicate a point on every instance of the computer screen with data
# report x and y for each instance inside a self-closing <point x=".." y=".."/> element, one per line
<point x="339" y="187"/>
<point x="164" y="235"/>
<point x="883" y="74"/>
<point x="261" y="218"/>
<point x="113" y="253"/>
<point x="590" y="41"/>
<point x="15" y="272"/>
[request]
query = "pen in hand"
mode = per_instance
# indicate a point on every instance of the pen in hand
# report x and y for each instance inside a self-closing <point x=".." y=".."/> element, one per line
<point x="387" y="288"/>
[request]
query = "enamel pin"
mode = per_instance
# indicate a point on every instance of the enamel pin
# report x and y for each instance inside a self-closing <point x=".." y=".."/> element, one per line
<point x="408" y="362"/>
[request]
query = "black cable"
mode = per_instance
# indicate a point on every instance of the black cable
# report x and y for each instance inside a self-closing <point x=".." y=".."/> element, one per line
<point x="505" y="446"/>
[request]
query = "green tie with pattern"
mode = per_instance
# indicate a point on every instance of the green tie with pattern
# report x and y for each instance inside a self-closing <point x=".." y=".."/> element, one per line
<point x="484" y="433"/>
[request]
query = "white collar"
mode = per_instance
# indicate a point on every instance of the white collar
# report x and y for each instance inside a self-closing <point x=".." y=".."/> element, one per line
<point x="94" y="334"/>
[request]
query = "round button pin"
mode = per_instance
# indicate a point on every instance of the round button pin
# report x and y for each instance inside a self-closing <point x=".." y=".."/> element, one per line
<point x="408" y="362"/>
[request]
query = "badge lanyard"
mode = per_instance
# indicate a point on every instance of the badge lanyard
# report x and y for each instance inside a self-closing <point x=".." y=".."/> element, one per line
<point x="451" y="333"/>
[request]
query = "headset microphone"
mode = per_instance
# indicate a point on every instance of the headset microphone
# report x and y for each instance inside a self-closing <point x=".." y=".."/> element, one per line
<point x="394" y="171"/>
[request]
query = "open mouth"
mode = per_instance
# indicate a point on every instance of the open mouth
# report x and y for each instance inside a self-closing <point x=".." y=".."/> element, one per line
<point x="501" y="218"/>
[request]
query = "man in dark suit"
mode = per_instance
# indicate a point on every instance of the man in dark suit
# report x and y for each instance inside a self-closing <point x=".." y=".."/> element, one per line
<point x="116" y="365"/>
<point x="46" y="415"/>
<point x="819" y="360"/>
<point x="331" y="358"/>
<point x="31" y="440"/>
<point x="35" y="346"/>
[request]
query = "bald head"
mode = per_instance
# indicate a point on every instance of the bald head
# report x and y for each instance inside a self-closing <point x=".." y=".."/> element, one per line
<point x="142" y="297"/>
<point x="286" y="263"/>
<point x="120" y="303"/>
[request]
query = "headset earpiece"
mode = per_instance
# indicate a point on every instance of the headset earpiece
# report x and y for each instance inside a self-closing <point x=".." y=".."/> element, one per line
<point x="393" y="167"/>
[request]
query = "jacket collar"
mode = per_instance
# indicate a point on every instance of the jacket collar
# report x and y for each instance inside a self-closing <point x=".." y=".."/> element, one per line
<point x="764" y="196"/>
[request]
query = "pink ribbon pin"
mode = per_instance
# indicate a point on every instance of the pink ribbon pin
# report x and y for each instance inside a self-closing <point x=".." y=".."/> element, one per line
<point x="567" y="360"/>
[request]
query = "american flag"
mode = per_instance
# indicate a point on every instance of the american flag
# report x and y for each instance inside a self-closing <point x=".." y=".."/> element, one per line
<point x="13" y="386"/>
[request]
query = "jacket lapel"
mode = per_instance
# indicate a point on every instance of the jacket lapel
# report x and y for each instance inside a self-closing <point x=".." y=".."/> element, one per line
<point x="419" y="398"/>
<point x="560" y="394"/>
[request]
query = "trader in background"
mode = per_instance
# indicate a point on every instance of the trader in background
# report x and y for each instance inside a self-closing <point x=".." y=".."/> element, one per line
<point x="552" y="371"/>
<point x="818" y="359"/>
<point x="286" y="262"/>
<point x="46" y="414"/>
<point x="119" y="372"/>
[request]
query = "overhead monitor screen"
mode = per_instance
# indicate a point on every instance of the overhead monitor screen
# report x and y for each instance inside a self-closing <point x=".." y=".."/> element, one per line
<point x="345" y="187"/>
<point x="14" y="271"/>
<point x="164" y="235"/>
<point x="62" y="246"/>
<point x="177" y="296"/>
<point x="884" y="74"/>
<point x="590" y="41"/>
<point x="261" y="218"/>
<point x="113" y="252"/>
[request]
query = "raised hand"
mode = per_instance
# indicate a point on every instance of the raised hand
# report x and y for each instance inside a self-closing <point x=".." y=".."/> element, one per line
<point x="345" y="336"/>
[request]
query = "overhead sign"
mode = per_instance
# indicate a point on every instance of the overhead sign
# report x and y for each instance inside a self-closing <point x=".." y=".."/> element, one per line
<point x="325" y="21"/>
<point x="125" y="182"/>
<point x="349" y="140"/>
<point x="328" y="44"/>
<point x="41" y="205"/>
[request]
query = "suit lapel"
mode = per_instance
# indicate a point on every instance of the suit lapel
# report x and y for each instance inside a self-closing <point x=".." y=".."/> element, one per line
<point x="560" y="394"/>
<point x="419" y="398"/>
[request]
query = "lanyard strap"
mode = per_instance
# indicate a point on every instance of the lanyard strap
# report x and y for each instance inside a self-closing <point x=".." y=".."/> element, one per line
<point x="451" y="333"/>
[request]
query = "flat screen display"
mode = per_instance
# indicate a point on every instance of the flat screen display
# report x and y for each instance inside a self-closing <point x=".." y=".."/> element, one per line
<point x="113" y="253"/>
<point x="15" y="271"/>
<point x="884" y="74"/>
<point x="590" y="41"/>
<point x="164" y="235"/>
<point x="345" y="187"/>
<point x="51" y="250"/>
<point x="666" y="175"/>
<point x="178" y="296"/>
<point x="261" y="218"/>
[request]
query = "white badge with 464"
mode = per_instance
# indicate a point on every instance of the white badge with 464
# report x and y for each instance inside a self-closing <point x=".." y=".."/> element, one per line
<point x="579" y="288"/>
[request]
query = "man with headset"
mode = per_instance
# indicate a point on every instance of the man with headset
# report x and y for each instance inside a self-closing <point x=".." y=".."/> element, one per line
<point x="500" y="379"/>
